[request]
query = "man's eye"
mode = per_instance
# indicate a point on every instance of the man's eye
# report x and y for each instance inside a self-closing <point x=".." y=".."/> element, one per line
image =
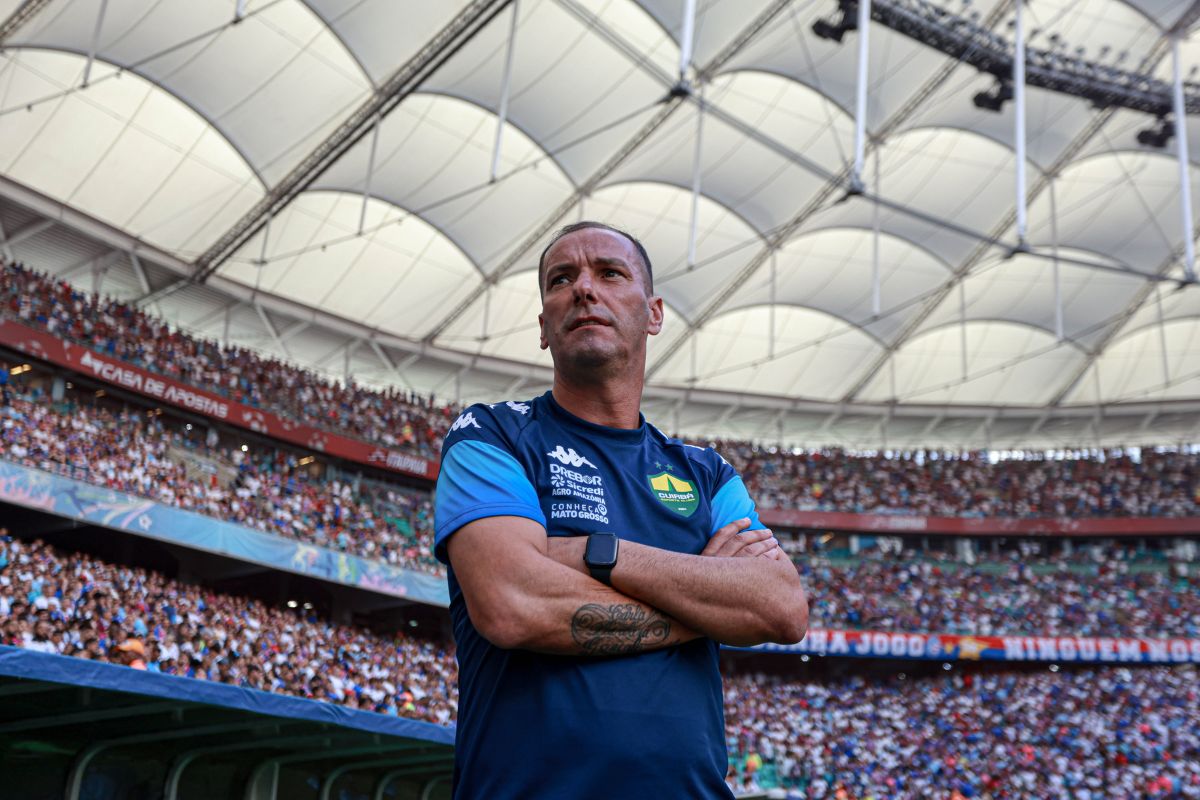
<point x="557" y="279"/>
<point x="608" y="273"/>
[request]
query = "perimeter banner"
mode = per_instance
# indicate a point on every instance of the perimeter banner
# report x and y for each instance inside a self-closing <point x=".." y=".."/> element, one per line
<point x="908" y="524"/>
<point x="66" y="497"/>
<point x="47" y="347"/>
<point x="951" y="647"/>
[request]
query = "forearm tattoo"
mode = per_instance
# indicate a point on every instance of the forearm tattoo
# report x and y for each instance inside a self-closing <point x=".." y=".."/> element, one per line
<point x="620" y="629"/>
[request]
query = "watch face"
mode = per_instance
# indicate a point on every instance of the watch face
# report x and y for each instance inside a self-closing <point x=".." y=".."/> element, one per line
<point x="601" y="550"/>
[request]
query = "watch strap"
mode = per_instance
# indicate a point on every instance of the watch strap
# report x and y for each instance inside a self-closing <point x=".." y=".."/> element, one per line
<point x="602" y="574"/>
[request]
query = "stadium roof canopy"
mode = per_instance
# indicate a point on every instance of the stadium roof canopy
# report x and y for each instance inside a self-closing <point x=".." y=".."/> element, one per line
<point x="314" y="178"/>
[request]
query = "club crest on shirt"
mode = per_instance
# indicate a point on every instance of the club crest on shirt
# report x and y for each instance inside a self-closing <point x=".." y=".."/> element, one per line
<point x="675" y="493"/>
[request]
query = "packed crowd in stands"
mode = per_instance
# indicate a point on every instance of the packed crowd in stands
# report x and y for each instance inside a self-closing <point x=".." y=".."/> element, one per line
<point x="1111" y="484"/>
<point x="266" y="489"/>
<point x="76" y="605"/>
<point x="1115" y="484"/>
<point x="270" y="490"/>
<point x="392" y="417"/>
<point x="994" y="599"/>
<point x="1114" y="733"/>
<point x="1109" y="732"/>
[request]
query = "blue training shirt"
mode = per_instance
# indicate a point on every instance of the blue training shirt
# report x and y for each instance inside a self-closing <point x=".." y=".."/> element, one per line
<point x="532" y="725"/>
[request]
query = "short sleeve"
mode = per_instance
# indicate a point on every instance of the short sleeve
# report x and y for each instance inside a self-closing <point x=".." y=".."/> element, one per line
<point x="479" y="478"/>
<point x="732" y="502"/>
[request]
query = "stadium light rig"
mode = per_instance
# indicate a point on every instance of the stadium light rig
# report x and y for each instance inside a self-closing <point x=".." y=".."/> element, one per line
<point x="1057" y="69"/>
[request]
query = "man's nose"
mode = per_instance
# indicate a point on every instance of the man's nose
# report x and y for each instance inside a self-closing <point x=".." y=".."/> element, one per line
<point x="584" y="287"/>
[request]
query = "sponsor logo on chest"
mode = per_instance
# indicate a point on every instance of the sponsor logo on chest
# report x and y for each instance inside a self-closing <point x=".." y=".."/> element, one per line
<point x="577" y="490"/>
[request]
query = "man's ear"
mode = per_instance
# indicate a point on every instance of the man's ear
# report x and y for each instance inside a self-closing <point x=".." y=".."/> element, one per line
<point x="542" y="331"/>
<point x="655" y="324"/>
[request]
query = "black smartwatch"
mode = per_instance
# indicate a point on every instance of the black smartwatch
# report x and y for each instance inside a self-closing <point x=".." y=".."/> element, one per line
<point x="600" y="556"/>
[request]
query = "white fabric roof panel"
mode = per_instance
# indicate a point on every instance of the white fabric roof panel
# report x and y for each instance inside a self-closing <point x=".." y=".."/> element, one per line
<point x="897" y="65"/>
<point x="433" y="158"/>
<point x="189" y="119"/>
<point x="761" y="184"/>
<point x="936" y="175"/>
<point x="814" y="354"/>
<point x="1133" y="367"/>
<point x="660" y="216"/>
<point x="1003" y="360"/>
<point x="1052" y="121"/>
<point x="569" y="87"/>
<point x="274" y="84"/>
<point x="1020" y="290"/>
<point x="394" y="278"/>
<point x="717" y="22"/>
<point x="383" y="34"/>
<point x="831" y="271"/>
<point x="1125" y="205"/>
<point x="123" y="151"/>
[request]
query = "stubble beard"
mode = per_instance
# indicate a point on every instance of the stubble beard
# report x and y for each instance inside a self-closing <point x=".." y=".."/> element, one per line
<point x="593" y="362"/>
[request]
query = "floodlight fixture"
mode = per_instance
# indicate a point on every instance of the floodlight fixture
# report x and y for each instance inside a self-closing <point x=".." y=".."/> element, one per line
<point x="835" y="28"/>
<point x="995" y="99"/>
<point x="1158" y="135"/>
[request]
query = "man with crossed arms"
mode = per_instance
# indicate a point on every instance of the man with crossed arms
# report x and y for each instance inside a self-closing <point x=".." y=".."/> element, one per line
<point x="595" y="563"/>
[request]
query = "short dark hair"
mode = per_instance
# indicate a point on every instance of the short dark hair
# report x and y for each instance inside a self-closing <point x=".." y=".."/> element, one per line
<point x="604" y="226"/>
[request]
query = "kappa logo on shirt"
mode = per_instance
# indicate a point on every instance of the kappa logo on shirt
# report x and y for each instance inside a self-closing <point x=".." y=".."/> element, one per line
<point x="569" y="456"/>
<point x="466" y="420"/>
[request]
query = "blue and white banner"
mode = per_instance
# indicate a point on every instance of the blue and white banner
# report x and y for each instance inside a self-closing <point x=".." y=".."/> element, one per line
<point x="55" y="494"/>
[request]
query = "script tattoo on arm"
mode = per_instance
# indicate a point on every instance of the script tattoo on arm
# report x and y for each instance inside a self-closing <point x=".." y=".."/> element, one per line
<point x="619" y="629"/>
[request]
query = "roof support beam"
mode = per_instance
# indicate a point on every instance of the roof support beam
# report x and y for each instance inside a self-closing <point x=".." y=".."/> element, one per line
<point x="1038" y="423"/>
<point x="28" y="232"/>
<point x="400" y="85"/>
<point x="1144" y="295"/>
<point x="139" y="272"/>
<point x="516" y="385"/>
<point x="816" y="203"/>
<point x="397" y="369"/>
<point x="585" y="189"/>
<point x="931" y="426"/>
<point x="108" y="258"/>
<point x="983" y="248"/>
<point x="91" y="55"/>
<point x="729" y="411"/>
<point x="213" y="316"/>
<point x="21" y="17"/>
<point x="1181" y="150"/>
<point x="270" y="326"/>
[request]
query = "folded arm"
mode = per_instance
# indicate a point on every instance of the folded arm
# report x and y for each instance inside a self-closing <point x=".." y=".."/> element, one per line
<point x="519" y="597"/>
<point x="526" y="590"/>
<point x="724" y="596"/>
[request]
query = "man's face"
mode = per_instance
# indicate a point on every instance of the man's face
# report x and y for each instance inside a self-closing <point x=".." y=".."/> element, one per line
<point x="596" y="304"/>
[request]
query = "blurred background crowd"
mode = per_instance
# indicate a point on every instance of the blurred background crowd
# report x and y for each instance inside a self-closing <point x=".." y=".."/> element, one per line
<point x="1016" y="732"/>
<point x="1103" y="484"/>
